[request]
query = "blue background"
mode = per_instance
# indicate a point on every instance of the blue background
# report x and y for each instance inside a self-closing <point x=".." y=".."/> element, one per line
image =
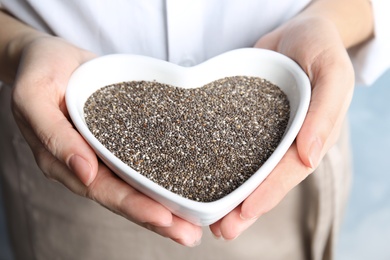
<point x="366" y="230"/>
<point x="365" y="233"/>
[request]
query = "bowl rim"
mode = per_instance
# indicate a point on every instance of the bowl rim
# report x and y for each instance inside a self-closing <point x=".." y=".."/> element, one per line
<point x="204" y="213"/>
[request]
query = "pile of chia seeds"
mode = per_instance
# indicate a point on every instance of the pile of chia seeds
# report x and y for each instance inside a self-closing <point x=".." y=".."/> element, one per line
<point x="200" y="143"/>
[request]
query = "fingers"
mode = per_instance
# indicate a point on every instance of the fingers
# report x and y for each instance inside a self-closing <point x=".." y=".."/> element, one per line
<point x="39" y="105"/>
<point x="331" y="74"/>
<point x="232" y="225"/>
<point x="39" y="108"/>
<point x="331" y="96"/>
<point x="59" y="141"/>
<point x="59" y="137"/>
<point x="286" y="175"/>
<point x="332" y="81"/>
<point x="122" y="199"/>
<point x="180" y="231"/>
<point x="117" y="196"/>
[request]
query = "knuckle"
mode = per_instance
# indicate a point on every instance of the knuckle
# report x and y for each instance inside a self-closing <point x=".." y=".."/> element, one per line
<point x="45" y="162"/>
<point x="49" y="140"/>
<point x="52" y="138"/>
<point x="328" y="124"/>
<point x="90" y="192"/>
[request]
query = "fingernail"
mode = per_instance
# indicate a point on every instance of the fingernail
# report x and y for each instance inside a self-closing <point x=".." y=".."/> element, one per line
<point x="247" y="222"/>
<point x="315" y="153"/>
<point x="196" y="243"/>
<point x="218" y="237"/>
<point x="189" y="244"/>
<point x="166" y="223"/>
<point x="81" y="168"/>
<point x="248" y="218"/>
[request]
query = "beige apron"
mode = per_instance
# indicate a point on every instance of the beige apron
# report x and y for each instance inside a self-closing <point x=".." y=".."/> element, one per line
<point x="46" y="221"/>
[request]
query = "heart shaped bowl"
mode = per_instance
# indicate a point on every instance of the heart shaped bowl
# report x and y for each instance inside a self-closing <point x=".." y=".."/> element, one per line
<point x="116" y="68"/>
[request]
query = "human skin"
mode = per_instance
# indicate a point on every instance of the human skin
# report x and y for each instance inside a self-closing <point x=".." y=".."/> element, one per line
<point x="38" y="67"/>
<point x="317" y="39"/>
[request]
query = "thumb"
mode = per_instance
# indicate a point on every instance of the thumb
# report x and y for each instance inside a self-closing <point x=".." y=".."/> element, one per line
<point x="269" y="41"/>
<point x="48" y="131"/>
<point x="38" y="104"/>
<point x="332" y="89"/>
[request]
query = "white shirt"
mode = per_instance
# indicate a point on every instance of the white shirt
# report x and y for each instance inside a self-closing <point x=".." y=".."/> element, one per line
<point x="184" y="32"/>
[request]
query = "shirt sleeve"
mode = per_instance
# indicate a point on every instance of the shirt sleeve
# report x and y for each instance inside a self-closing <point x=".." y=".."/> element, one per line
<point x="372" y="58"/>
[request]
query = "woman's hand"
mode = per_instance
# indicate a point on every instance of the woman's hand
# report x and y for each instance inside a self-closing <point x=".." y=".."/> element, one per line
<point x="38" y="104"/>
<point x="315" y="43"/>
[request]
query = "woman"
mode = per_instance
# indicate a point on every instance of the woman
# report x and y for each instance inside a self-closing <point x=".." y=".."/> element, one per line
<point x="42" y="43"/>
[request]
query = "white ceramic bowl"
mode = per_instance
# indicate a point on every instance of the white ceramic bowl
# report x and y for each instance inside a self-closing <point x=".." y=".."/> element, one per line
<point x="110" y="69"/>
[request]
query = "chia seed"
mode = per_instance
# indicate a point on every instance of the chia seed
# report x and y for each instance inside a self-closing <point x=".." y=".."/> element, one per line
<point x="200" y="143"/>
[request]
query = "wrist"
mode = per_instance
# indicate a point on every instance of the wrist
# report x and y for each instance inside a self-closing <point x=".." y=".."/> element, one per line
<point x="353" y="19"/>
<point x="14" y="37"/>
